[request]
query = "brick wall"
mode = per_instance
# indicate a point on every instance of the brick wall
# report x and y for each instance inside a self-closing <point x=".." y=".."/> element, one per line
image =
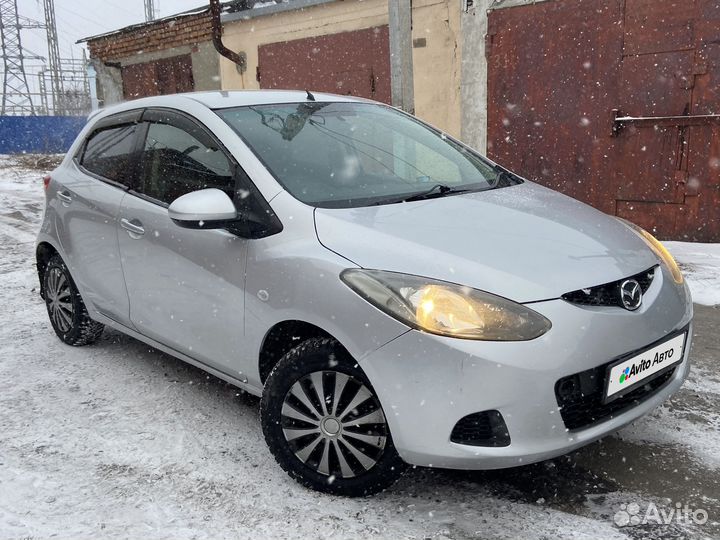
<point x="182" y="30"/>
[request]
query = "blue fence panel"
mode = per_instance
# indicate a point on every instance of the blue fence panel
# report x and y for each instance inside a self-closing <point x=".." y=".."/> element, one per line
<point x="38" y="134"/>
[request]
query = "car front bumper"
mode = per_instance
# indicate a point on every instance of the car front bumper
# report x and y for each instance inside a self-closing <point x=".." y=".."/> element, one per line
<point x="427" y="383"/>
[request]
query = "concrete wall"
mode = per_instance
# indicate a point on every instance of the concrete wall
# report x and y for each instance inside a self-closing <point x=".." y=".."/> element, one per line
<point x="436" y="65"/>
<point x="206" y="67"/>
<point x="473" y="94"/>
<point x="109" y="82"/>
<point x="473" y="87"/>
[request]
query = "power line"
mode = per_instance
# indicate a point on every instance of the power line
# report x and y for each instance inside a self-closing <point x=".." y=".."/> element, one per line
<point x="83" y="17"/>
<point x="41" y="34"/>
<point x="132" y="12"/>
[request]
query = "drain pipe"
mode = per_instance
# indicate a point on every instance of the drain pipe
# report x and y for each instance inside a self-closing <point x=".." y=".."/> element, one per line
<point x="215" y="10"/>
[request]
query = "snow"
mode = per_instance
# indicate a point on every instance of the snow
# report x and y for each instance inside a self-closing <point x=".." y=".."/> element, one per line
<point x="700" y="263"/>
<point x="269" y="3"/>
<point x="699" y="440"/>
<point x="660" y="118"/>
<point x="118" y="440"/>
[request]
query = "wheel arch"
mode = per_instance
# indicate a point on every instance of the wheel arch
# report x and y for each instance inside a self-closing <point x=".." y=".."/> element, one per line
<point x="43" y="254"/>
<point x="281" y="338"/>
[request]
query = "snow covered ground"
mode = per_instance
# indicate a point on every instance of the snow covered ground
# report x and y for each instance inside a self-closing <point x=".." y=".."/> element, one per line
<point x="701" y="265"/>
<point x="118" y="440"/>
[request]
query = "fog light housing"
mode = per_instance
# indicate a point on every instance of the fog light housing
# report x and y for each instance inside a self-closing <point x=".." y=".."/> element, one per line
<point x="486" y="428"/>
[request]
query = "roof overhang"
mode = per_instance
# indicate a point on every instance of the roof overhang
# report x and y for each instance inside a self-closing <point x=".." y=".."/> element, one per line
<point x="260" y="11"/>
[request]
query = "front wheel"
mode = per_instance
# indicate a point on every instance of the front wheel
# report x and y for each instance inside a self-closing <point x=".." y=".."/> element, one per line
<point x="324" y="423"/>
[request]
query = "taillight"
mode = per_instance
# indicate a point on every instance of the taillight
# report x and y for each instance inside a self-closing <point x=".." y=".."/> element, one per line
<point x="46" y="181"/>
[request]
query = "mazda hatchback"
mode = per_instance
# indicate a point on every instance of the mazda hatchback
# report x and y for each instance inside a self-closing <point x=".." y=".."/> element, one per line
<point x="393" y="296"/>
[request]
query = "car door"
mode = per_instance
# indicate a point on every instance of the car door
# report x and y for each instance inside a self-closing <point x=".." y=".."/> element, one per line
<point x="89" y="192"/>
<point x="186" y="287"/>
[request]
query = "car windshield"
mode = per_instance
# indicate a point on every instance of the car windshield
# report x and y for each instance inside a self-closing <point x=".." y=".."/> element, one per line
<point x="342" y="155"/>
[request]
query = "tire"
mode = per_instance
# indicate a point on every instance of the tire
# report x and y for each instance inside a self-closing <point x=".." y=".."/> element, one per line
<point x="336" y="454"/>
<point x="66" y="309"/>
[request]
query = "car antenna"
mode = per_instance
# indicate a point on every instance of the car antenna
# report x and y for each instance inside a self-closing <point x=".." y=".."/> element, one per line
<point x="310" y="96"/>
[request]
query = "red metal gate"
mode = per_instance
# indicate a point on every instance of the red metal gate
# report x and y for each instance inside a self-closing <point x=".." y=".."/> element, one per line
<point x="165" y="76"/>
<point x="350" y="63"/>
<point x="615" y="102"/>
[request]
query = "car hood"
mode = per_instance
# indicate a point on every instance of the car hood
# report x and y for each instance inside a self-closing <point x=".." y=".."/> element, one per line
<point x="524" y="242"/>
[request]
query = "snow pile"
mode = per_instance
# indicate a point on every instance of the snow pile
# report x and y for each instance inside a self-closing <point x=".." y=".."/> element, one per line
<point x="701" y="265"/>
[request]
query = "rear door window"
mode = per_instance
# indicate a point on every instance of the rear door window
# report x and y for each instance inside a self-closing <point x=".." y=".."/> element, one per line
<point x="109" y="153"/>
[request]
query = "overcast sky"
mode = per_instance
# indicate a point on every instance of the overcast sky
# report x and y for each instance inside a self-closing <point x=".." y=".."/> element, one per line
<point x="77" y="19"/>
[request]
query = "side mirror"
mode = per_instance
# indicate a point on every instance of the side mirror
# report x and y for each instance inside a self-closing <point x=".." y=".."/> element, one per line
<point x="204" y="209"/>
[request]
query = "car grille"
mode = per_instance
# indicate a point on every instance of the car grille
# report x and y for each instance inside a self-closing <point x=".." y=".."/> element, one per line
<point x="485" y="428"/>
<point x="580" y="397"/>
<point x="608" y="294"/>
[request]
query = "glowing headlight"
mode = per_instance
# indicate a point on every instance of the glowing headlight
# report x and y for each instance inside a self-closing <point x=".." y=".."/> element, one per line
<point x="445" y="308"/>
<point x="660" y="250"/>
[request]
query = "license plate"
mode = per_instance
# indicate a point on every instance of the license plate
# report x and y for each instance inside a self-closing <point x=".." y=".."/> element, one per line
<point x="628" y="374"/>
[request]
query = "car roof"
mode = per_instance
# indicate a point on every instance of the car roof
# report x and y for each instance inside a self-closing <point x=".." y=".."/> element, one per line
<point x="221" y="99"/>
<point x="238" y="98"/>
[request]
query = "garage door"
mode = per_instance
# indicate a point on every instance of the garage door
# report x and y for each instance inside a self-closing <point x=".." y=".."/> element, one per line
<point x="349" y="63"/>
<point x="161" y="77"/>
<point x="616" y="103"/>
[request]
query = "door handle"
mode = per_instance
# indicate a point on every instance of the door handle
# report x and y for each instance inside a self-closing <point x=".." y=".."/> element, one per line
<point x="64" y="196"/>
<point x="133" y="227"/>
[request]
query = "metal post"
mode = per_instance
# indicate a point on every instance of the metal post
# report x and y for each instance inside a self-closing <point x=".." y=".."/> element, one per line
<point x="92" y="87"/>
<point x="16" y="97"/>
<point x="54" y="67"/>
<point x="149" y="10"/>
<point x="401" y="63"/>
<point x="44" y="106"/>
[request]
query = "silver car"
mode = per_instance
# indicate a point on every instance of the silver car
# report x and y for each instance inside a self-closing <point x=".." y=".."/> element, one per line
<point x="394" y="297"/>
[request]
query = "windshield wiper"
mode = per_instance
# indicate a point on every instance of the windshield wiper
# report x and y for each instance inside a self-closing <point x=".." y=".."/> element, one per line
<point x="438" y="190"/>
<point x="503" y="177"/>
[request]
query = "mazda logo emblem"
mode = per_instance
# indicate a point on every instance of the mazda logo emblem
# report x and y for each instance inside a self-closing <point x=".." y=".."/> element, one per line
<point x="630" y="294"/>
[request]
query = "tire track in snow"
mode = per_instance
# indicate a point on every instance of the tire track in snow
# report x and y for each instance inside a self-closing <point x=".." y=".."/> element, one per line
<point x="16" y="230"/>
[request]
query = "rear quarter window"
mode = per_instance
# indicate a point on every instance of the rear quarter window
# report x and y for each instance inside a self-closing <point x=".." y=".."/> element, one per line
<point x="109" y="153"/>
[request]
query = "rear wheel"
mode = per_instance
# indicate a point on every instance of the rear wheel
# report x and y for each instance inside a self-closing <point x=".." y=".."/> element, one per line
<point x="325" y="425"/>
<point x="67" y="312"/>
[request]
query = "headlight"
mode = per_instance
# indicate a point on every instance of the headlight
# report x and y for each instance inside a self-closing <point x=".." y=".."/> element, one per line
<point x="446" y="309"/>
<point x="660" y="250"/>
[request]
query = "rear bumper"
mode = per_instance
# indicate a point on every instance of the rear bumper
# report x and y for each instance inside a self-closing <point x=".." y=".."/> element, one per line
<point x="427" y="383"/>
